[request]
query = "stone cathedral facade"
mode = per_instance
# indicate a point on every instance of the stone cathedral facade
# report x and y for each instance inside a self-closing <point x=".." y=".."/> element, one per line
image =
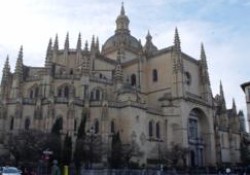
<point x="152" y="97"/>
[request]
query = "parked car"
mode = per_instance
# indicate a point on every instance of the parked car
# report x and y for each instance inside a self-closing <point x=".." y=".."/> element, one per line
<point x="10" y="171"/>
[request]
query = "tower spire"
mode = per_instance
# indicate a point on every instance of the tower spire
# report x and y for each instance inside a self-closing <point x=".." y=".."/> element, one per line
<point x="66" y="44"/>
<point x="92" y="47"/>
<point x="204" y="67"/>
<point x="19" y="64"/>
<point x="86" y="46"/>
<point x="122" y="9"/>
<point x="222" y="98"/>
<point x="6" y="70"/>
<point x="122" y="22"/>
<point x="149" y="48"/>
<point x="56" y="43"/>
<point x="221" y="90"/>
<point x="203" y="57"/>
<point x="97" y="45"/>
<point x="234" y="106"/>
<point x="177" y="42"/>
<point x="79" y="42"/>
<point x="48" y="59"/>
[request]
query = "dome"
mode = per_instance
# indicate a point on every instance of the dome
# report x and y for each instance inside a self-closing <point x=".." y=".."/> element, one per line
<point x="121" y="40"/>
<point x="122" y="37"/>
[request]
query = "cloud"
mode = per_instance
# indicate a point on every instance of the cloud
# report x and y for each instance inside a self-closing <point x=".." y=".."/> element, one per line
<point x="221" y="25"/>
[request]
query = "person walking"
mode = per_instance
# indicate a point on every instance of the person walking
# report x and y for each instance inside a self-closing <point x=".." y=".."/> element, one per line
<point x="55" y="168"/>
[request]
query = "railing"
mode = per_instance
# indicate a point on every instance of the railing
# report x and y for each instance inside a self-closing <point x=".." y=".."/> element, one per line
<point x="101" y="80"/>
<point x="61" y="100"/>
<point x="67" y="76"/>
<point x="29" y="101"/>
<point x="33" y="78"/>
<point x="154" y="110"/>
<point x="196" y="141"/>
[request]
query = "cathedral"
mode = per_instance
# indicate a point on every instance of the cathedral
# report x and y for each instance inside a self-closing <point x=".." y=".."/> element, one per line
<point x="152" y="97"/>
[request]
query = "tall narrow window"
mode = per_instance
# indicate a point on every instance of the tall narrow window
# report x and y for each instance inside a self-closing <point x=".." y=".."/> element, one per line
<point x="36" y="91"/>
<point x="155" y="75"/>
<point x="158" y="133"/>
<point x="92" y="95"/>
<point x="31" y="93"/>
<point x="97" y="94"/>
<point x="112" y="127"/>
<point x="71" y="72"/>
<point x="66" y="91"/>
<point x="12" y="124"/>
<point x="96" y="126"/>
<point x="27" y="124"/>
<point x="150" y="129"/>
<point x="193" y="128"/>
<point x="133" y="80"/>
<point x="59" y="92"/>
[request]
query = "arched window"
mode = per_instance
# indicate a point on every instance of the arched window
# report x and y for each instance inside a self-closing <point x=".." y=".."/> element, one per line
<point x="133" y="80"/>
<point x="158" y="131"/>
<point x="66" y="91"/>
<point x="71" y="72"/>
<point x="96" y="126"/>
<point x="97" y="94"/>
<point x="59" y="92"/>
<point x="112" y="127"/>
<point x="27" y="124"/>
<point x="150" y="129"/>
<point x="12" y="124"/>
<point x="36" y="91"/>
<point x="193" y="128"/>
<point x="155" y="75"/>
<point x="31" y="93"/>
<point x="92" y="95"/>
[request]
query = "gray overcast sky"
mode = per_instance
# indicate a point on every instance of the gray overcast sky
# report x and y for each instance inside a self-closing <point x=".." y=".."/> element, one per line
<point x="222" y="25"/>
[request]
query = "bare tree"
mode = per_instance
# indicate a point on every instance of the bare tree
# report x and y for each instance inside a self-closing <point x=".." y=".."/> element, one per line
<point x="129" y="151"/>
<point x="175" y="155"/>
<point x="28" y="145"/>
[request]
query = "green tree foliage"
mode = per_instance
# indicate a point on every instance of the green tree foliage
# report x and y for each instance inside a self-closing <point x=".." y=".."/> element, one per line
<point x="28" y="145"/>
<point x="245" y="153"/>
<point x="79" y="154"/>
<point x="81" y="129"/>
<point x="67" y="150"/>
<point x="129" y="151"/>
<point x="121" y="154"/>
<point x="56" y="128"/>
<point x="175" y="156"/>
<point x="115" y="159"/>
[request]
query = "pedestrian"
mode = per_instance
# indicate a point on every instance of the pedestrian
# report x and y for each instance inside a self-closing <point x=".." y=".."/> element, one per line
<point x="26" y="171"/>
<point x="55" y="169"/>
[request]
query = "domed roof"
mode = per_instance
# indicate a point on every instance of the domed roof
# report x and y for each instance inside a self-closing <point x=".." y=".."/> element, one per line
<point x="121" y="40"/>
<point x="122" y="37"/>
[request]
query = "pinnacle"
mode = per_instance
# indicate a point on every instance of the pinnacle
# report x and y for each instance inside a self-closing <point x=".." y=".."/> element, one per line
<point x="79" y="42"/>
<point x="177" y="42"/>
<point x="66" y="45"/>
<point x="122" y="9"/>
<point x="56" y="43"/>
<point x="86" y="46"/>
<point x="148" y="37"/>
